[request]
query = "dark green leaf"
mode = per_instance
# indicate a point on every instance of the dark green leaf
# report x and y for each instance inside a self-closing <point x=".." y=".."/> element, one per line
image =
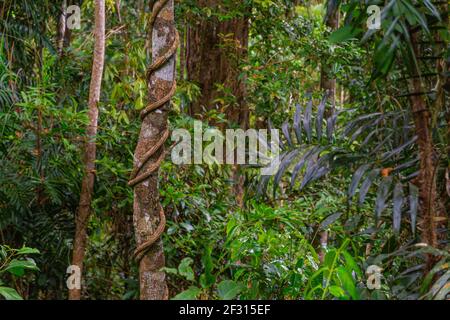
<point x="382" y="195"/>
<point x="365" y="186"/>
<point x="329" y="220"/>
<point x="398" y="203"/>
<point x="307" y="120"/>
<point x="413" y="205"/>
<point x="355" y="180"/>
<point x="343" y="34"/>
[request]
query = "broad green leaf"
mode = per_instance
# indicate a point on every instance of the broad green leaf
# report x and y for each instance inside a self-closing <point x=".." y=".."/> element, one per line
<point x="229" y="289"/>
<point x="10" y="293"/>
<point x="18" y="267"/>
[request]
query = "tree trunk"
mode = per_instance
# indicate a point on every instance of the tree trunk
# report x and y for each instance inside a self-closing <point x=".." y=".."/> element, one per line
<point x="148" y="215"/>
<point x="328" y="84"/>
<point x="427" y="171"/>
<point x="215" y="51"/>
<point x="329" y="87"/>
<point x="62" y="27"/>
<point x="443" y="70"/>
<point x="182" y="52"/>
<point x="84" y="210"/>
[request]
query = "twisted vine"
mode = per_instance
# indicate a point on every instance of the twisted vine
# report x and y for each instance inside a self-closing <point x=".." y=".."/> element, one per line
<point x="138" y="174"/>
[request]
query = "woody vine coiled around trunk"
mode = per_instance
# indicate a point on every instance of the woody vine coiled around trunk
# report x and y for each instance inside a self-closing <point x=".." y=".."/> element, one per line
<point x="139" y="175"/>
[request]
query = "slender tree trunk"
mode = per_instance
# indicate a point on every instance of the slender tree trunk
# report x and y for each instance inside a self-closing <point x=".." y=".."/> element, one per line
<point x="147" y="209"/>
<point x="427" y="171"/>
<point x="62" y="27"/>
<point x="328" y="85"/>
<point x="87" y="187"/>
<point x="182" y="52"/>
<point x="443" y="70"/>
<point x="40" y="195"/>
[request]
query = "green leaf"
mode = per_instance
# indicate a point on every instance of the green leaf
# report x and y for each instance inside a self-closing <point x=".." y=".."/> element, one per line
<point x="355" y="180"/>
<point x="443" y="292"/>
<point x="398" y="202"/>
<point x="26" y="250"/>
<point x="329" y="220"/>
<point x="429" y="277"/>
<point x="351" y="263"/>
<point x="10" y="293"/>
<point x="229" y="289"/>
<point x="347" y="282"/>
<point x="382" y="194"/>
<point x="189" y="294"/>
<point x="336" y="291"/>
<point x="413" y="205"/>
<point x="207" y="279"/>
<point x="18" y="267"/>
<point x="3" y="253"/>
<point x="330" y="257"/>
<point x="365" y="186"/>
<point x="169" y="270"/>
<point x="343" y="34"/>
<point x="185" y="269"/>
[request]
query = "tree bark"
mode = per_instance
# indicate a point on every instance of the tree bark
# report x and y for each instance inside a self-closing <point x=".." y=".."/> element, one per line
<point x="328" y="85"/>
<point x="427" y="171"/>
<point x="79" y="248"/>
<point x="215" y="51"/>
<point x="146" y="193"/>
<point x="62" y="27"/>
<point x="443" y="70"/>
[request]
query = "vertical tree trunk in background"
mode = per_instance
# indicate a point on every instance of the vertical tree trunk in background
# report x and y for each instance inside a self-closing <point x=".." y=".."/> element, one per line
<point x="62" y="27"/>
<point x="182" y="52"/>
<point x="147" y="209"/>
<point x="215" y="50"/>
<point x="84" y="210"/>
<point x="442" y="90"/>
<point x="64" y="34"/>
<point x="329" y="86"/>
<point x="426" y="179"/>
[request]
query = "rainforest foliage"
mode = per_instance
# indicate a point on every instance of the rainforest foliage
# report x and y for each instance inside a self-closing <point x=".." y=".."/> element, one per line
<point x="357" y="209"/>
